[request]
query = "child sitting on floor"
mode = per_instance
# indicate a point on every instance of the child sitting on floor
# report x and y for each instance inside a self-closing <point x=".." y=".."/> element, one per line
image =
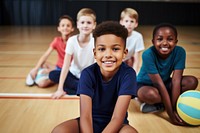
<point x="106" y="87"/>
<point x="164" y="59"/>
<point x="39" y="75"/>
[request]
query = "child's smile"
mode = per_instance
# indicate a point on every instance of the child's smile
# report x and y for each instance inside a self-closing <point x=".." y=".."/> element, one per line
<point x="164" y="41"/>
<point x="108" y="63"/>
<point x="109" y="53"/>
<point x="164" y="49"/>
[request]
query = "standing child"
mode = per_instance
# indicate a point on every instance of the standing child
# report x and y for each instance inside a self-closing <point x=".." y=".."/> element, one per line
<point x="39" y="74"/>
<point x="134" y="43"/>
<point x="106" y="87"/>
<point x="155" y="86"/>
<point x="81" y="48"/>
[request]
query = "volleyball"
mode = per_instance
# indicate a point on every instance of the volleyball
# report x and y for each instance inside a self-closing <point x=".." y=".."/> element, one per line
<point x="188" y="107"/>
<point x="41" y="76"/>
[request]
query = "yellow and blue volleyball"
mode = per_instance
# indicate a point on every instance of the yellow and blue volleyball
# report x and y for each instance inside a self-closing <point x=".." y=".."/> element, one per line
<point x="188" y="107"/>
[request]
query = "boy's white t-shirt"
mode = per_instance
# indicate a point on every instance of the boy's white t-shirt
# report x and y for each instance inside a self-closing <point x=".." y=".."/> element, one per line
<point x="134" y="43"/>
<point x="82" y="56"/>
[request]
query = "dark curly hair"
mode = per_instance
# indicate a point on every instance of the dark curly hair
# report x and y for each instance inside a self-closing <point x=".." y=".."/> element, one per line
<point x="110" y="27"/>
<point x="161" y="25"/>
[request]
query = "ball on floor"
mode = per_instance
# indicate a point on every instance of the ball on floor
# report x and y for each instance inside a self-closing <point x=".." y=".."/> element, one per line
<point x="188" y="107"/>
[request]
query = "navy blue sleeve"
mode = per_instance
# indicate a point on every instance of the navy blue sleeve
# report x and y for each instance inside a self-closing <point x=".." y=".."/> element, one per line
<point x="85" y="84"/>
<point x="128" y="83"/>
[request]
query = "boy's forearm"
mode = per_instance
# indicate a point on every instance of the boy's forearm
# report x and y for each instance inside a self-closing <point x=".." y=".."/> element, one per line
<point x="119" y="114"/>
<point x="40" y="62"/>
<point x="176" y="90"/>
<point x="86" y="125"/>
<point x="43" y="58"/>
<point x="136" y="61"/>
<point x="165" y="97"/>
<point x="114" y="126"/>
<point x="63" y="76"/>
<point x="136" y="67"/>
<point x="176" y="86"/>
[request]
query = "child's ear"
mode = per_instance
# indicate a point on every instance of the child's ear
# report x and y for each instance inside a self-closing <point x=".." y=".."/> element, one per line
<point x="95" y="23"/>
<point x="121" y="22"/>
<point x="125" y="53"/>
<point x="58" y="28"/>
<point x="77" y="24"/>
<point x="94" y="51"/>
<point x="152" y="41"/>
<point x="176" y="41"/>
<point x="136" y="25"/>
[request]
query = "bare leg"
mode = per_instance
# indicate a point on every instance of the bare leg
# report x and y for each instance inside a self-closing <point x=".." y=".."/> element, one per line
<point x="189" y="83"/>
<point x="128" y="129"/>
<point x="30" y="79"/>
<point x="70" y="126"/>
<point x="45" y="83"/>
<point x="149" y="94"/>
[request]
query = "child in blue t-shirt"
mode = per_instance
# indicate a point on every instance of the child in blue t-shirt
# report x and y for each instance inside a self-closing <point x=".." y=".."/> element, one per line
<point x="164" y="59"/>
<point x="106" y="87"/>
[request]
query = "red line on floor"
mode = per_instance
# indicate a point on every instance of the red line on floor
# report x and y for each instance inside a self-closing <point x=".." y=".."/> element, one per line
<point x="39" y="98"/>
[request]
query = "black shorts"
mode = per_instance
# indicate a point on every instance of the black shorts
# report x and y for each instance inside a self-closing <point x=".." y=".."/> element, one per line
<point x="167" y="85"/>
<point x="99" y="127"/>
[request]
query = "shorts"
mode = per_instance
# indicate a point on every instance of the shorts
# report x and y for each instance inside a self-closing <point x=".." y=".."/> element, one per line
<point x="58" y="68"/>
<point x="70" y="84"/>
<point x="167" y="85"/>
<point x="54" y="75"/>
<point x="99" y="127"/>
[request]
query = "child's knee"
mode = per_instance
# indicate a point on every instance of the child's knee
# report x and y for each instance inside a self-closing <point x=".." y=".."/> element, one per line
<point x="149" y="93"/>
<point x="128" y="129"/>
<point x="192" y="82"/>
<point x="44" y="83"/>
<point x="57" y="130"/>
<point x="151" y="96"/>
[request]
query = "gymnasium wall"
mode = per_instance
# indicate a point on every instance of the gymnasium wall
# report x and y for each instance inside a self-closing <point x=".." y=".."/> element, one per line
<point x="47" y="12"/>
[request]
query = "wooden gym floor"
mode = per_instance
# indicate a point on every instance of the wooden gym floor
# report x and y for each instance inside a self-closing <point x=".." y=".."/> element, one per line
<point x="20" y="49"/>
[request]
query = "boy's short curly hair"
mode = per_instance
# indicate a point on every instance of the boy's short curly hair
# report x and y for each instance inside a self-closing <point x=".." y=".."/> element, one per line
<point x="110" y="27"/>
<point x="161" y="25"/>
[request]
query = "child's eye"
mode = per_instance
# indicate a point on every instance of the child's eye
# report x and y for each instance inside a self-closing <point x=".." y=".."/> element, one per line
<point x="159" y="39"/>
<point x="115" y="49"/>
<point x="170" y="39"/>
<point x="89" y="22"/>
<point x="101" y="49"/>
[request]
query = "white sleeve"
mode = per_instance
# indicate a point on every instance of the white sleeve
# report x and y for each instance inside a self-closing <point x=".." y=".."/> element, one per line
<point x="70" y="45"/>
<point x="139" y="43"/>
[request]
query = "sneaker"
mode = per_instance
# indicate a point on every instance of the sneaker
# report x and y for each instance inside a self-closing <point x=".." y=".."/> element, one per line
<point x="151" y="108"/>
<point x="29" y="80"/>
